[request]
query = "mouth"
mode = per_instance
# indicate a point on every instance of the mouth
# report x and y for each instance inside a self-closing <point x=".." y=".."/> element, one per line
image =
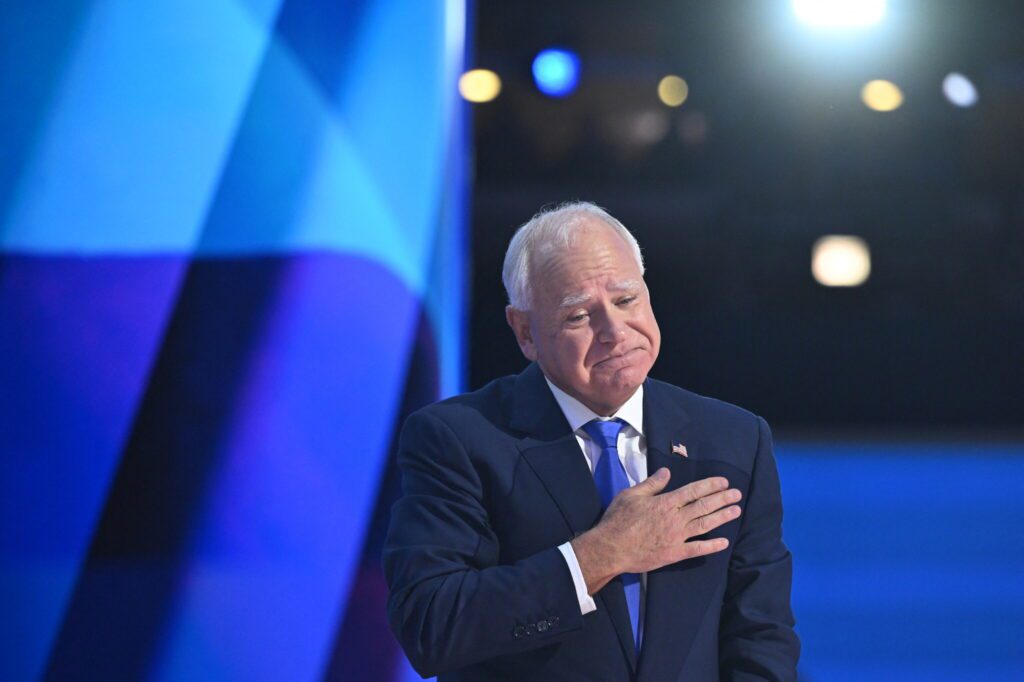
<point x="619" y="359"/>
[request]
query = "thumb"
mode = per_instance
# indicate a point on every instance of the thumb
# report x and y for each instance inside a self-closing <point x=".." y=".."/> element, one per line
<point x="654" y="483"/>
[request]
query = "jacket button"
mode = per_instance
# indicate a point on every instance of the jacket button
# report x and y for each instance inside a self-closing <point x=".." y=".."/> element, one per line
<point x="519" y="631"/>
<point x="542" y="626"/>
<point x="553" y="621"/>
<point x="531" y="629"/>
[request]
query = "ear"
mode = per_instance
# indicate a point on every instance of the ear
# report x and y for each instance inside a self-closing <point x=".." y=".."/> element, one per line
<point x="519" y="320"/>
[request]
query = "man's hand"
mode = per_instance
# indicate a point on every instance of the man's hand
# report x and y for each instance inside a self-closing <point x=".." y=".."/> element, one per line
<point x="642" y="531"/>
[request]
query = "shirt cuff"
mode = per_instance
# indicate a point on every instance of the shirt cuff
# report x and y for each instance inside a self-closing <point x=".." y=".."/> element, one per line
<point x="586" y="601"/>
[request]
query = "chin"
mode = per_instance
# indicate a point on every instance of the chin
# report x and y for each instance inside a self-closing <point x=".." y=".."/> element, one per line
<point x="622" y="384"/>
<point x="631" y="375"/>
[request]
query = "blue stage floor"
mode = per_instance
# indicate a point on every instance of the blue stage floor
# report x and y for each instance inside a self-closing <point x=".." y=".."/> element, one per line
<point x="909" y="559"/>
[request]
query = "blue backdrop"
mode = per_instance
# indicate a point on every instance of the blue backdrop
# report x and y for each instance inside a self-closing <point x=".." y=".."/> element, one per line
<point x="232" y="255"/>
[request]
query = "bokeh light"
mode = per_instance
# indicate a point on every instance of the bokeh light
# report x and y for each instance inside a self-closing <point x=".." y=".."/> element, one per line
<point x="649" y="126"/>
<point x="556" y="72"/>
<point x="882" y="95"/>
<point x="479" y="85"/>
<point x="840" y="261"/>
<point x="673" y="91"/>
<point x="959" y="90"/>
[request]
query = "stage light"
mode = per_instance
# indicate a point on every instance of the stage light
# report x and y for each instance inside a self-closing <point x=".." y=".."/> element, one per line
<point x="479" y="85"/>
<point x="881" y="95"/>
<point x="840" y="261"/>
<point x="839" y="13"/>
<point x="556" y="72"/>
<point x="959" y="90"/>
<point x="650" y="126"/>
<point x="673" y="91"/>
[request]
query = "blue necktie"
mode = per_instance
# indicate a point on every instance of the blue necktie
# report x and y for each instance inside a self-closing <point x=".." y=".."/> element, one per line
<point x="610" y="478"/>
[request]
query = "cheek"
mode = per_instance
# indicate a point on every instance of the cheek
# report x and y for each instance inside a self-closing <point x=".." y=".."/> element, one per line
<point x="559" y="349"/>
<point x="650" y="329"/>
<point x="573" y="353"/>
<point x="655" y="336"/>
<point x="578" y="354"/>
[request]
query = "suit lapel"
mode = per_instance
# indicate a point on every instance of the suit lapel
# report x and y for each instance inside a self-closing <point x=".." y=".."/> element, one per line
<point x="562" y="469"/>
<point x="613" y="598"/>
<point x="552" y="451"/>
<point x="677" y="595"/>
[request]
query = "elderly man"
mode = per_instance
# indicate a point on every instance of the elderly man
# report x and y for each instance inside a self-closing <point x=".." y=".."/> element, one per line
<point x="581" y="521"/>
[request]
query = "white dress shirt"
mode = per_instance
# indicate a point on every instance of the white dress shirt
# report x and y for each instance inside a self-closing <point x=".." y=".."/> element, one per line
<point x="632" y="448"/>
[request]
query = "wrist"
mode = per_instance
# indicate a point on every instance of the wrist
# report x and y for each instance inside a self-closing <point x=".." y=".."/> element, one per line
<point x="596" y="559"/>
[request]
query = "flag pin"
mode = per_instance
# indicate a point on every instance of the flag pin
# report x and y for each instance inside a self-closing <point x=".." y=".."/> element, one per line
<point x="679" y="449"/>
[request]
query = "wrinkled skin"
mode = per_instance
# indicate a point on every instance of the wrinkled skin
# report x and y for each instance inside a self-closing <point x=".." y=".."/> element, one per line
<point x="590" y="326"/>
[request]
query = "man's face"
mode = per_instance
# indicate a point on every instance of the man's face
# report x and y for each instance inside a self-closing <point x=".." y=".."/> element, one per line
<point x="591" y="327"/>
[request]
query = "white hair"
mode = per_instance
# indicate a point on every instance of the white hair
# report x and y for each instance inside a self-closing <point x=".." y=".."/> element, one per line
<point x="550" y="230"/>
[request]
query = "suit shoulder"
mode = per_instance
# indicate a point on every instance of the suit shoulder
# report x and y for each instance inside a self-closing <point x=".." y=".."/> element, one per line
<point x="488" y="403"/>
<point x="737" y="429"/>
<point x="704" y="406"/>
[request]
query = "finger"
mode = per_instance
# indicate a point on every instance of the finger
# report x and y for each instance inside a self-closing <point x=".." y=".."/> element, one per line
<point x="653" y="484"/>
<point x="709" y="522"/>
<point x="696" y="490"/>
<point x="712" y="502"/>
<point x="695" y="548"/>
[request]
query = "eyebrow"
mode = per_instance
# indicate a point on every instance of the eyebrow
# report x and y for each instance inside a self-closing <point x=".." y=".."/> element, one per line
<point x="625" y="285"/>
<point x="576" y="299"/>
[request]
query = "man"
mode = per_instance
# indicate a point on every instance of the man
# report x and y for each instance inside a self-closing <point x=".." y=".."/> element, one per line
<point x="581" y="521"/>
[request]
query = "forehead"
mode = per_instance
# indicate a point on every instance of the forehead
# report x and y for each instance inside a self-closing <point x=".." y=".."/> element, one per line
<point x="596" y="255"/>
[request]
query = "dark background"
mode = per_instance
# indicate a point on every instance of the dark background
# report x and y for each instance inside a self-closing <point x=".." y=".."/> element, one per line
<point x="773" y="149"/>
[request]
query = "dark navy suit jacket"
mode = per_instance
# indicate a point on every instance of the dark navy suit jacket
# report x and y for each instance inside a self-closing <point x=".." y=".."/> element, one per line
<point x="494" y="481"/>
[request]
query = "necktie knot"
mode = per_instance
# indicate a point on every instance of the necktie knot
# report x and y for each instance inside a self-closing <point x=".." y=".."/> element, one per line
<point x="604" y="433"/>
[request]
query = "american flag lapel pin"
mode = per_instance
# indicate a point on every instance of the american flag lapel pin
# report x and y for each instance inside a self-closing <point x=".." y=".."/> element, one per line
<point x="679" y="449"/>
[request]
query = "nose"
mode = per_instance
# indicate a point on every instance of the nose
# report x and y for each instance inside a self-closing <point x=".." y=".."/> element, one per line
<point x="611" y="329"/>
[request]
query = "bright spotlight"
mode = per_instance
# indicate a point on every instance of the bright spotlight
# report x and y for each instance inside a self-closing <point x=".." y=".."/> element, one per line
<point x="882" y="95"/>
<point x="839" y="13"/>
<point x="556" y="72"/>
<point x="673" y="91"/>
<point x="479" y="85"/>
<point x="959" y="90"/>
<point x="840" y="261"/>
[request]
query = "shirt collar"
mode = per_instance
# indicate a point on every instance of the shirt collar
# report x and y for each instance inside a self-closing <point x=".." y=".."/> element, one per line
<point x="578" y="414"/>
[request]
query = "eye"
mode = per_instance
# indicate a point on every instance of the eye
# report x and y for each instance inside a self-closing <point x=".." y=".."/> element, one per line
<point x="626" y="301"/>
<point x="576" y="318"/>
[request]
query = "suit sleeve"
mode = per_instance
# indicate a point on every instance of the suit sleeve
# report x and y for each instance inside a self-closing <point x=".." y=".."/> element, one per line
<point x="450" y="603"/>
<point x="756" y="637"/>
